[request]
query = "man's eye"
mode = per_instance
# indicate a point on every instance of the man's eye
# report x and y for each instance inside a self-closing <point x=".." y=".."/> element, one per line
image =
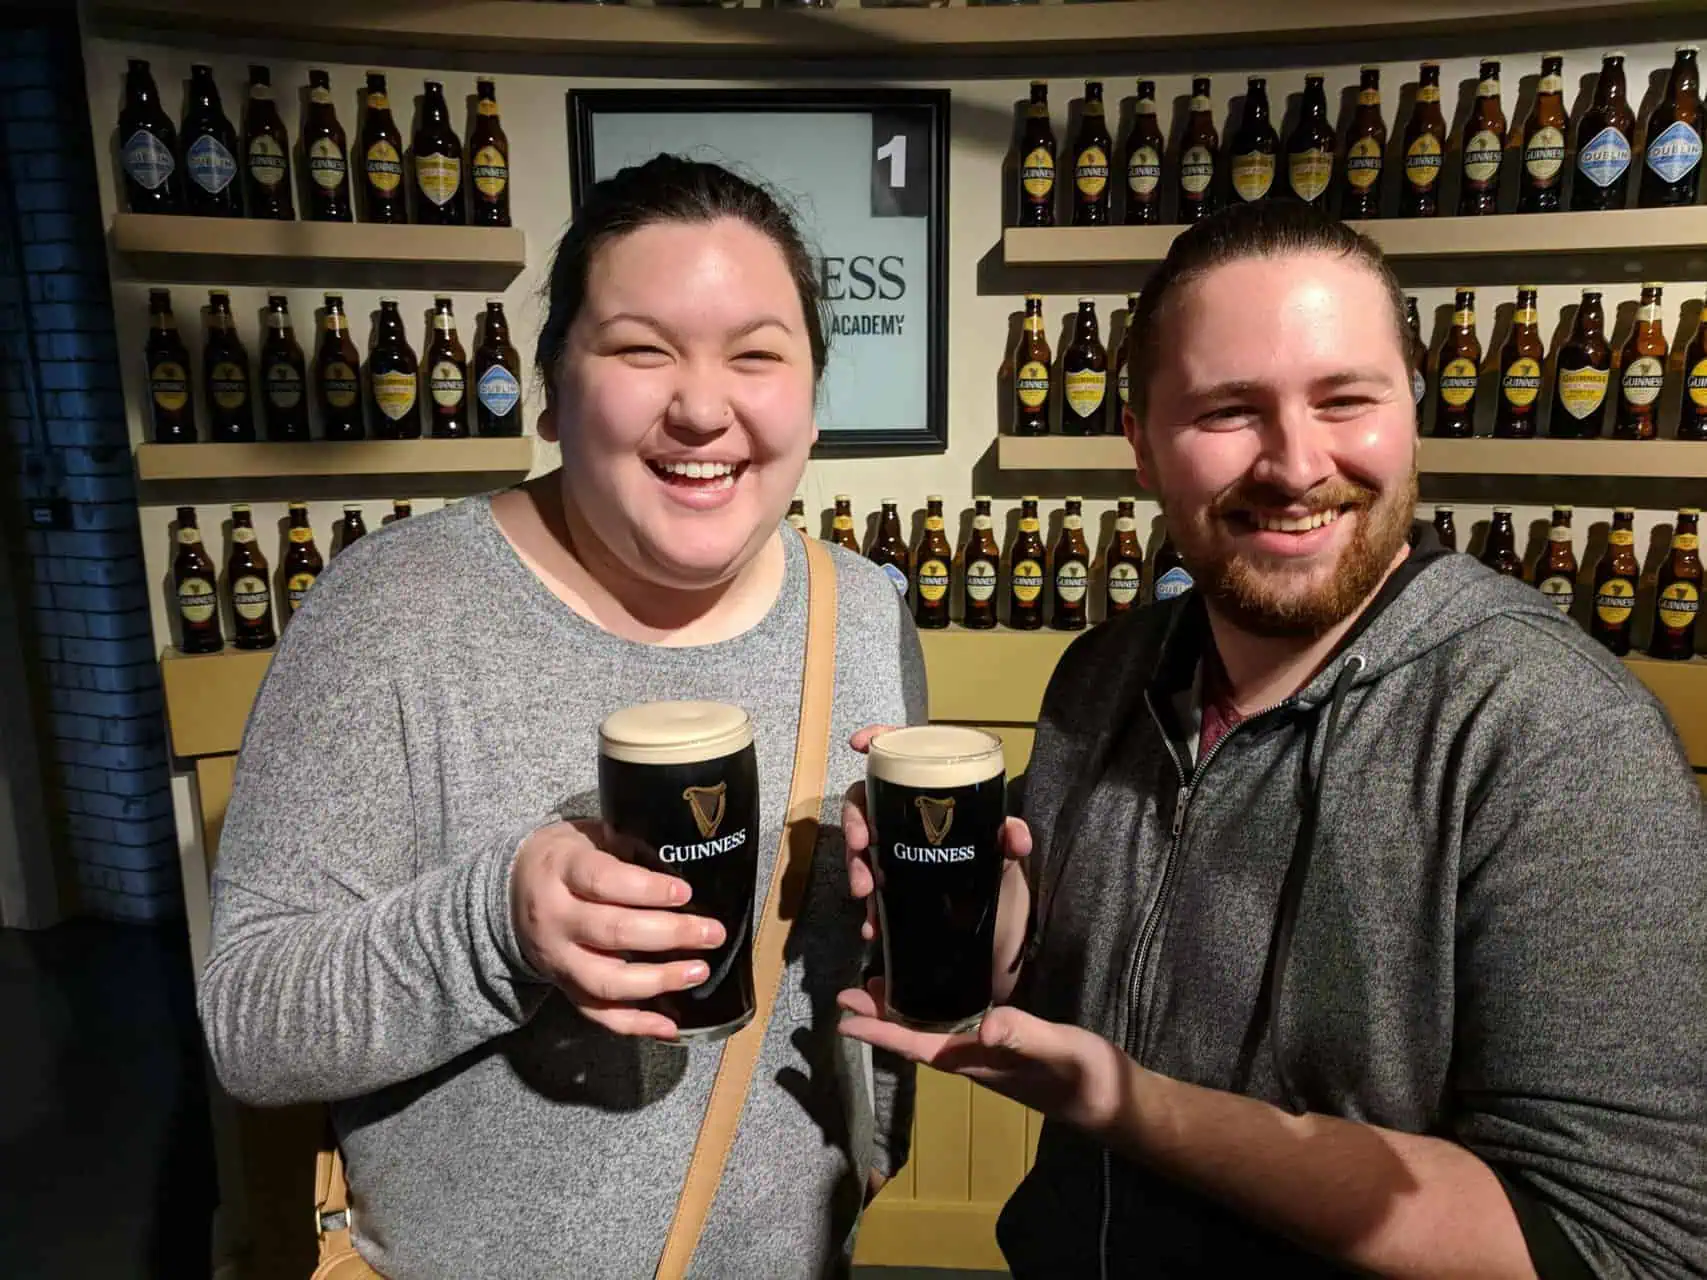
<point x="1227" y="413"/>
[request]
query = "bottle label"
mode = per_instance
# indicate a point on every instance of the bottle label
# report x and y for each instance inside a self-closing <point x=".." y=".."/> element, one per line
<point x="1033" y="324"/>
<point x="1027" y="581"/>
<point x="1090" y="172"/>
<point x="1144" y="171"/>
<point x="171" y="385"/>
<point x="498" y="390"/>
<point x="1196" y="170"/>
<point x="1123" y="583"/>
<point x="384" y="167"/>
<point x="1695" y="385"/>
<point x="1678" y="605"/>
<point x="1525" y="316"/>
<point x="1123" y="386"/>
<point x="1458" y="382"/>
<point x="1648" y="313"/>
<point x="147" y="160"/>
<point x="260" y="93"/>
<point x="486" y="107"/>
<point x="1072" y="580"/>
<point x="189" y="536"/>
<point x="1560" y="591"/>
<point x="394" y="393"/>
<point x="320" y="97"/>
<point x="1643" y="380"/>
<point x="196" y="600"/>
<point x="842" y="523"/>
<point x="326" y="164"/>
<point x="1032" y="384"/>
<point x="1422" y="161"/>
<point x="296" y="586"/>
<point x="1369" y="97"/>
<point x="796" y="520"/>
<point x="897" y="579"/>
<point x="1464" y="318"/>
<point x="1201" y="102"/>
<point x="982" y="522"/>
<point x="1126" y="524"/>
<point x="933" y="580"/>
<point x="1072" y="522"/>
<point x="1028" y="524"/>
<point x="444" y="321"/>
<point x="1544" y="155"/>
<point x="242" y="534"/>
<point x="211" y="166"/>
<point x="438" y="176"/>
<point x="1037" y="173"/>
<point x="250" y="598"/>
<point x="229" y="383"/>
<point x="491" y="172"/>
<point x="279" y="320"/>
<point x="1559" y="533"/>
<point x="1428" y="93"/>
<point x="1675" y="152"/>
<point x="1606" y="158"/>
<point x="300" y="533"/>
<point x="1522" y="382"/>
<point x="934" y="523"/>
<point x="339" y="384"/>
<point x="1551" y="84"/>
<point x="980" y="580"/>
<point x="1085" y="390"/>
<point x="1146" y="106"/>
<point x="377" y="101"/>
<point x="447" y="385"/>
<point x="1310" y="172"/>
<point x="1419" y="386"/>
<point x="1363" y="163"/>
<point x="1175" y="582"/>
<point x="1615" y="600"/>
<point x="1686" y="542"/>
<point x="284" y="386"/>
<point x="1489" y="88"/>
<point x="1482" y="158"/>
<point x="1037" y="111"/>
<point x="1622" y="537"/>
<point x="1582" y="391"/>
<point x="1253" y="174"/>
<point x="266" y="161"/>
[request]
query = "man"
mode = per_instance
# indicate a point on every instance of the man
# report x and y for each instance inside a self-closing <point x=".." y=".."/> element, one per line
<point x="1365" y="926"/>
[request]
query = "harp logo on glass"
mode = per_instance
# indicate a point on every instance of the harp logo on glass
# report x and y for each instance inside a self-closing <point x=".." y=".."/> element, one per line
<point x="937" y="817"/>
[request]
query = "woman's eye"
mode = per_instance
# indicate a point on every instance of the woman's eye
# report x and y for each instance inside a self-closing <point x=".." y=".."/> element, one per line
<point x="770" y="356"/>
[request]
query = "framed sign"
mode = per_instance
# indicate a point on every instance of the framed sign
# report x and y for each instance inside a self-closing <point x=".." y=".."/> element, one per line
<point x="865" y="172"/>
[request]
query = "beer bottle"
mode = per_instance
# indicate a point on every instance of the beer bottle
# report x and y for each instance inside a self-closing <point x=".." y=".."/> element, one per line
<point x="447" y="376"/>
<point x="252" y="625"/>
<point x="1542" y="180"/>
<point x="1615" y="579"/>
<point x="1425" y="147"/>
<point x="302" y="562"/>
<point x="384" y="197"/>
<point x="1070" y="580"/>
<point x="1031" y="373"/>
<point x="1499" y="552"/>
<point x="1677" y="602"/>
<point x="1556" y="570"/>
<point x="1603" y="143"/>
<point x="1025" y="571"/>
<point x="1484" y="146"/>
<point x="1144" y="148"/>
<point x="1671" y="167"/>
<point x="1254" y="146"/>
<point x="842" y="525"/>
<point x="1084" y="377"/>
<point x="888" y="549"/>
<point x="1122" y="388"/>
<point x="1365" y="151"/>
<point x="149" y="157"/>
<point x="931" y="575"/>
<point x="325" y="154"/>
<point x="1090" y="162"/>
<point x="1692" y="415"/>
<point x="1584" y="367"/>
<point x="401" y="509"/>
<point x="489" y="162"/>
<point x="225" y="367"/>
<point x="1310" y="150"/>
<point x="980" y="562"/>
<point x="1456" y="371"/>
<point x="337" y="375"/>
<point x="497" y="384"/>
<point x="393" y="376"/>
<point x="1446" y="528"/>
<point x="1124" y="562"/>
<point x="438" y="163"/>
<point x="266" y="152"/>
<point x="193" y="579"/>
<point x="1419" y="357"/>
<point x="1642" y="372"/>
<point x="797" y="514"/>
<point x="1200" y="148"/>
<point x="168" y="373"/>
<point x="1037" y="162"/>
<point x="1520" y="371"/>
<point x="210" y="151"/>
<point x="1169" y="576"/>
<point x="351" y="527"/>
<point x="284" y="375"/>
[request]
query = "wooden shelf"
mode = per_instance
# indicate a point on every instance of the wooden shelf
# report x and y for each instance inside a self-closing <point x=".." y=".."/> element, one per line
<point x="208" y="696"/>
<point x="163" y="248"/>
<point x="170" y="473"/>
<point x="1064" y="453"/>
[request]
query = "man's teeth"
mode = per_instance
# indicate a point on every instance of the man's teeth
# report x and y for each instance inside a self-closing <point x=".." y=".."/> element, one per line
<point x="699" y="470"/>
<point x="1294" y="524"/>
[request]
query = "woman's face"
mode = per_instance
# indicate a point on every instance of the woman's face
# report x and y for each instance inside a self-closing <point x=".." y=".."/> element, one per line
<point x="683" y="402"/>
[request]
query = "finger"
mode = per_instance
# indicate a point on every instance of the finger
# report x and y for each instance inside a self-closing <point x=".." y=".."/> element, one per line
<point x="607" y="928"/>
<point x="861" y="741"/>
<point x="596" y="876"/>
<point x="626" y="1020"/>
<point x="613" y="980"/>
<point x="1016" y="839"/>
<point x="856" y="831"/>
<point x="915" y="1046"/>
<point x="1019" y="1033"/>
<point x="858" y="1002"/>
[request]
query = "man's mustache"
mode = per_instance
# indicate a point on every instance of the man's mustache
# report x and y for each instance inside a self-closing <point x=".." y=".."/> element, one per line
<point x="1330" y="495"/>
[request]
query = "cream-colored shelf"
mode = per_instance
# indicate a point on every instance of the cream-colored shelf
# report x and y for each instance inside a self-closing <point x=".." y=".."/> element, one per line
<point x="1064" y="453"/>
<point x="479" y="455"/>
<point x="208" y="696"/>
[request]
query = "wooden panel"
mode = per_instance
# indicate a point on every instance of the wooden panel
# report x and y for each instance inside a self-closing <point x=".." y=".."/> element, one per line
<point x="943" y="1144"/>
<point x="208" y="696"/>
<point x="1682" y="686"/>
<point x="998" y="1147"/>
<point x="984" y="677"/>
<point x="912" y="1233"/>
<point x="511" y="456"/>
<point x="213" y="794"/>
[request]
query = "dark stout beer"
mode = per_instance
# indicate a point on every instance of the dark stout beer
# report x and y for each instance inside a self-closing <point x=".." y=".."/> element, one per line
<point x="980" y="566"/>
<point x="1556" y="570"/>
<point x="246" y="571"/>
<point x="1642" y="372"/>
<point x="1615" y="579"/>
<point x="1584" y="369"/>
<point x="1520" y="372"/>
<point x="1144" y="147"/>
<point x="210" y="151"/>
<point x="1499" y="552"/>
<point x="1037" y="162"/>
<point x="1603" y="143"/>
<point x="1200" y="149"/>
<point x="1543" y="177"/>
<point x="1457" y="370"/>
<point x="1425" y="147"/>
<point x="1484" y="147"/>
<point x="1677" y="597"/>
<point x="931" y="569"/>
<point x="1365" y="151"/>
<point x="1310" y="150"/>
<point x="1254" y="146"/>
<point x="1090" y="162"/>
<point x="168" y="373"/>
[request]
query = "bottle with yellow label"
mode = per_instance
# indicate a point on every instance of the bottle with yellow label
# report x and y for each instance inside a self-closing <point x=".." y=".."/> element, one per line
<point x="1692" y="418"/>
<point x="1456" y="371"/>
<point x="169" y="398"/>
<point x="337" y="375"/>
<point x="194" y="583"/>
<point x="325" y="153"/>
<point x="488" y="162"/>
<point x="1615" y="579"/>
<point x="1252" y="151"/>
<point x="225" y="373"/>
<point x="1583" y="370"/>
<point x="931" y="560"/>
<point x="252" y="625"/>
<point x="1199" y="154"/>
<point x="1123" y="562"/>
<point x="1520" y="371"/>
<point x="1310" y="149"/>
<point x="302" y="561"/>
<point x="1556" y="569"/>
<point x="1425" y="148"/>
<point x="1542" y="180"/>
<point x="1084" y="377"/>
<point x="1070" y="572"/>
<point x="1090" y="162"/>
<point x="842" y="525"/>
<point x="1025" y="570"/>
<point x="1365" y="151"/>
<point x="1142" y="164"/>
<point x="1032" y="372"/>
<point x="1642" y="371"/>
<point x="393" y="378"/>
<point x="1037" y="162"/>
<point x="385" y="198"/>
<point x="438" y="163"/>
<point x="1677" y="597"/>
<point x="980" y="569"/>
<point x="1484" y="147"/>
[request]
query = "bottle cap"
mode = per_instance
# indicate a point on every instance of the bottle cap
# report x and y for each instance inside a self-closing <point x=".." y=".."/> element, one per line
<point x="237" y="507"/>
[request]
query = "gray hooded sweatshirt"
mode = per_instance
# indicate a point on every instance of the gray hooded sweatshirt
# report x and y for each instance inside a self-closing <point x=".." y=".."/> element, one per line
<point x="1457" y="885"/>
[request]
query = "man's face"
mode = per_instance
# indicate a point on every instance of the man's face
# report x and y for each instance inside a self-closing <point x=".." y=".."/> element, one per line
<point x="1281" y="439"/>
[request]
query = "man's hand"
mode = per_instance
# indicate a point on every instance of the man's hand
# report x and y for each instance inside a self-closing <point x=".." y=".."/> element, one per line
<point x="578" y="909"/>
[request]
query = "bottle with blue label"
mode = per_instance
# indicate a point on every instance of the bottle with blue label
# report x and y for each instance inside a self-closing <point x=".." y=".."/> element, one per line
<point x="888" y="549"/>
<point x="1602" y="179"/>
<point x="148" y="147"/>
<point x="497" y="386"/>
<point x="210" y="151"/>
<point x="1671" y="167"/>
<point x="1169" y="572"/>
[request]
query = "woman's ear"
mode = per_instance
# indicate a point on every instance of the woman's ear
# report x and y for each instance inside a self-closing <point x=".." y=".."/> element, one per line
<point x="545" y="426"/>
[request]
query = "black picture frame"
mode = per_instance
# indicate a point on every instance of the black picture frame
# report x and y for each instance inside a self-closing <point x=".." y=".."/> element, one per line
<point x="930" y="434"/>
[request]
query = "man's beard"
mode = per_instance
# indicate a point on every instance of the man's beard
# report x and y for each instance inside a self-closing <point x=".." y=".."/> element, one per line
<point x="1269" y="597"/>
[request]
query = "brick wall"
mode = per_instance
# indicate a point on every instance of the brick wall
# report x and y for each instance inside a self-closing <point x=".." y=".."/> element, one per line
<point x="98" y="683"/>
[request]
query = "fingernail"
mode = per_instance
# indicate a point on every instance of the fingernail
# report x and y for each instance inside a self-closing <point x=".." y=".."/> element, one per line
<point x="711" y="934"/>
<point x="698" y="973"/>
<point x="679" y="892"/>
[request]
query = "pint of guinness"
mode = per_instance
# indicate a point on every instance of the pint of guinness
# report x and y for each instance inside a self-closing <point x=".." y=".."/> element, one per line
<point x="936" y="798"/>
<point x="679" y="788"/>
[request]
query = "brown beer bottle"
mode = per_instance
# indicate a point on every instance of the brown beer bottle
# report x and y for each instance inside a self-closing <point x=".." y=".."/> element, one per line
<point x="302" y="561"/>
<point x="1200" y="149"/>
<point x="284" y="375"/>
<point x="326" y="154"/>
<point x="1556" y="570"/>
<point x="393" y="378"/>
<point x="1642" y="372"/>
<point x="1070" y="581"/>
<point x="1542" y="180"/>
<point x="1124" y="562"/>
<point x="1365" y="151"/>
<point x="797" y="514"/>
<point x="194" y="579"/>
<point x="438" y="163"/>
<point x="1677" y="600"/>
<point x="1499" y="552"/>
<point x="1456" y="371"/>
<point x="1031" y="373"/>
<point x="169" y="397"/>
<point x="1583" y="370"/>
<point x="842" y="525"/>
<point x="1671" y="164"/>
<point x="1169" y="577"/>
<point x="1520" y="371"/>
<point x="384" y="197"/>
<point x="1025" y="570"/>
<point x="1425" y="148"/>
<point x="1122" y="389"/>
<point x="497" y="384"/>
<point x="1604" y="137"/>
<point x="401" y="509"/>
<point x="1090" y="162"/>
<point x="1484" y="146"/>
<point x="1446" y="527"/>
<point x="252" y="625"/>
<point x="1419" y="363"/>
<point x="1037" y="162"/>
<point x="337" y="375"/>
<point x="148" y="146"/>
<point x="210" y="151"/>
<point x="225" y="369"/>
<point x="351" y="527"/>
<point x="1084" y="377"/>
<point x="1143" y="166"/>
<point x="447" y="376"/>
<point x="1692" y="416"/>
<point x="931" y="573"/>
<point x="980" y="564"/>
<point x="489" y="162"/>
<point x="266" y="152"/>
<point x="1615" y="579"/>
<point x="1310" y="150"/>
<point x="1254" y="146"/>
<point x="888" y="550"/>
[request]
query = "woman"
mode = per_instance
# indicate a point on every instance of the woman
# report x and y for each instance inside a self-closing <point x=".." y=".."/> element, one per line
<point x="408" y="924"/>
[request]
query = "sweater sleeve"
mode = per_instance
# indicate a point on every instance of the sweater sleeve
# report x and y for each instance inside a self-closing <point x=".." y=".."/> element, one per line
<point x="1582" y="996"/>
<point x="336" y="967"/>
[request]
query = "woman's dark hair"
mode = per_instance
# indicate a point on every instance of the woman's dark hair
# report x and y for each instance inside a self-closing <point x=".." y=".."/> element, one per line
<point x="668" y="188"/>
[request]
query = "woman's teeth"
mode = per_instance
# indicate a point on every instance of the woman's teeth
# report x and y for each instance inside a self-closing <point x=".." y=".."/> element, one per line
<point x="717" y="475"/>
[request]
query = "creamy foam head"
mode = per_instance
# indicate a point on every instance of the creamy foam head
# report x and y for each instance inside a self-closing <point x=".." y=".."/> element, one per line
<point x="936" y="756"/>
<point x="675" y="732"/>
